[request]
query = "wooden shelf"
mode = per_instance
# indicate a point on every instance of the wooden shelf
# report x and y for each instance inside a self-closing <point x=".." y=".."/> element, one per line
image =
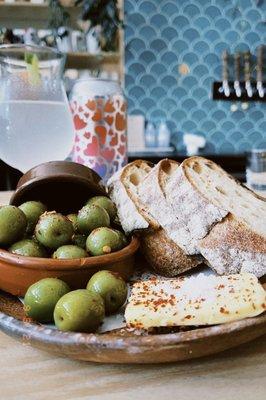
<point x="110" y="61"/>
<point x="23" y="14"/>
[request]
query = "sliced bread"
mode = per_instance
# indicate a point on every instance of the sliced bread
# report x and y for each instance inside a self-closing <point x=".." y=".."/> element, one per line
<point x="226" y="221"/>
<point x="192" y="209"/>
<point x="160" y="251"/>
<point x="165" y="256"/>
<point x="232" y="247"/>
<point x="122" y="191"/>
<point x="151" y="191"/>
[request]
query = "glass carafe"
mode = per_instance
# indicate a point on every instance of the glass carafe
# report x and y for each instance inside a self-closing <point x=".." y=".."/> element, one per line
<point x="35" y="119"/>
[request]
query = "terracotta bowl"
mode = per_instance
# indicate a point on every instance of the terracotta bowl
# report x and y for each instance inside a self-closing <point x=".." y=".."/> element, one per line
<point x="19" y="272"/>
<point x="63" y="186"/>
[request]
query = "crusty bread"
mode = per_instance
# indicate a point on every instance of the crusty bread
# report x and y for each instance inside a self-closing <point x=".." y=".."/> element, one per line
<point x="151" y="191"/>
<point x="161" y="252"/>
<point x="165" y="256"/>
<point x="151" y="194"/>
<point x="192" y="210"/>
<point x="232" y="247"/>
<point x="226" y="221"/>
<point x="122" y="191"/>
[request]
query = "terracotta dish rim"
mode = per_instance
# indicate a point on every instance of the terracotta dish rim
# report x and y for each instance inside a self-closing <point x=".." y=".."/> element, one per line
<point x="69" y="264"/>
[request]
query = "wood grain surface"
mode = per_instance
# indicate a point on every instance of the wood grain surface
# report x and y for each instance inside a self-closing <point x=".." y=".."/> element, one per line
<point x="30" y="374"/>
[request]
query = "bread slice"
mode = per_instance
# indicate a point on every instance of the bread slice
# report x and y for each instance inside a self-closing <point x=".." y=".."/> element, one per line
<point x="166" y="257"/>
<point x="151" y="191"/>
<point x="122" y="191"/>
<point x="192" y="209"/>
<point x="196" y="300"/>
<point x="203" y="194"/>
<point x="232" y="247"/>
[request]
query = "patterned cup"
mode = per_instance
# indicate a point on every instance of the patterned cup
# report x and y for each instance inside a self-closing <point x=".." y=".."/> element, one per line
<point x="99" y="112"/>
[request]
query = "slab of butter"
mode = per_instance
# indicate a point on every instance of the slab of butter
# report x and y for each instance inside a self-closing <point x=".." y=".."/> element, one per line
<point x="195" y="300"/>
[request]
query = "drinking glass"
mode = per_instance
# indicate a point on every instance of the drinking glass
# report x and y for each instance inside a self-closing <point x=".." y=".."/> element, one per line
<point x="35" y="119"/>
<point x="256" y="171"/>
<point x="99" y="110"/>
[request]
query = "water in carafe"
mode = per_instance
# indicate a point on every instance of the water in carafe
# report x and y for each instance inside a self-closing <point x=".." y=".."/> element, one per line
<point x="35" y="120"/>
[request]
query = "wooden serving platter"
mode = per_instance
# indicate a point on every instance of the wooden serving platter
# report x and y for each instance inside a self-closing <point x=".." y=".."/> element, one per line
<point x="127" y="347"/>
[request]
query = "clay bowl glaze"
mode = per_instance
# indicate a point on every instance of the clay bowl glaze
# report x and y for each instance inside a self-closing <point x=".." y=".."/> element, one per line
<point x="19" y="272"/>
<point x="63" y="186"/>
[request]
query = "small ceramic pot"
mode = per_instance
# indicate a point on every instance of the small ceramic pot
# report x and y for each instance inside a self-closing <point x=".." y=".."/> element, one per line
<point x="62" y="185"/>
<point x="19" y="272"/>
<point x="65" y="187"/>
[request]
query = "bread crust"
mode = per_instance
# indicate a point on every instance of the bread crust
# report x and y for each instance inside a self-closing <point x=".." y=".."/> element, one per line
<point x="127" y="211"/>
<point x="142" y="209"/>
<point x="193" y="210"/>
<point x="164" y="256"/>
<point x="231" y="247"/>
<point x="151" y="193"/>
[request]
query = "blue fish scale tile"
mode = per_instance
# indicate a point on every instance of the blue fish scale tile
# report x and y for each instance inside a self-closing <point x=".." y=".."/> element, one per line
<point x="146" y="32"/>
<point x="158" y="69"/>
<point x="262" y="127"/>
<point x="170" y="8"/>
<point x="201" y="47"/>
<point x="179" y="46"/>
<point x="198" y="115"/>
<point x="201" y="23"/>
<point x="158" y="92"/>
<point x="147" y="7"/>
<point x="167" y="103"/>
<point x="173" y="54"/>
<point x="255" y="137"/>
<point x="236" y="136"/>
<point x="178" y="115"/>
<point x="180" y="22"/>
<point x="136" y="92"/>
<point x="178" y="92"/>
<point x="191" y="10"/>
<point x="217" y="137"/>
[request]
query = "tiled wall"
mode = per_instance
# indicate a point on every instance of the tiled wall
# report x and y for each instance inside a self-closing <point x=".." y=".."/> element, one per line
<point x="165" y="38"/>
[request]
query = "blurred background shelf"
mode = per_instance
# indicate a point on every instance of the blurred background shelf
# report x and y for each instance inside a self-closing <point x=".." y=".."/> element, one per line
<point x="109" y="60"/>
<point x="23" y="14"/>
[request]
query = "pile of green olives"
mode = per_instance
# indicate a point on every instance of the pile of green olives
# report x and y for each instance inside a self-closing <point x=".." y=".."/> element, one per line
<point x="32" y="230"/>
<point x="82" y="310"/>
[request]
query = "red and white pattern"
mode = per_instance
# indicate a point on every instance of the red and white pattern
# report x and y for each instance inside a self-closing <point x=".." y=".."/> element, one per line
<point x="100" y="140"/>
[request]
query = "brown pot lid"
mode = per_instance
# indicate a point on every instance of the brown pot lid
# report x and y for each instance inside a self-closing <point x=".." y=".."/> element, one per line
<point x="63" y="186"/>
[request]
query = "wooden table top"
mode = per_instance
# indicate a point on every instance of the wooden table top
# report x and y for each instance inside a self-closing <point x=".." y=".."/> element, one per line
<point x="30" y="374"/>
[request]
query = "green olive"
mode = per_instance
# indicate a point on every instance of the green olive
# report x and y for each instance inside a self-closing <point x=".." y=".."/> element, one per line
<point x="111" y="287"/>
<point x="54" y="230"/>
<point x="69" y="251"/>
<point x="13" y="223"/>
<point x="74" y="219"/>
<point x="122" y="237"/>
<point x="33" y="210"/>
<point x="28" y="248"/>
<point x="103" y="241"/>
<point x="79" y="240"/>
<point x="91" y="217"/>
<point x="79" y="311"/>
<point x="41" y="298"/>
<point x="106" y="203"/>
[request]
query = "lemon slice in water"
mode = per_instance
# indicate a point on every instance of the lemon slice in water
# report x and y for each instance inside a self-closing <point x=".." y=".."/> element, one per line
<point x="32" y="65"/>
